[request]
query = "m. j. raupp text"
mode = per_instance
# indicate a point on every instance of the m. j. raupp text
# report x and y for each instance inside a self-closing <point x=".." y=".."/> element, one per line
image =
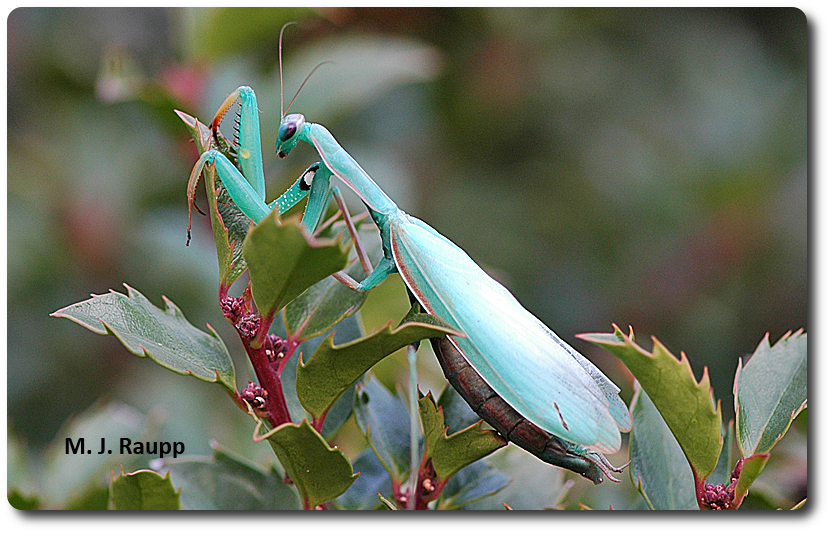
<point x="127" y="447"/>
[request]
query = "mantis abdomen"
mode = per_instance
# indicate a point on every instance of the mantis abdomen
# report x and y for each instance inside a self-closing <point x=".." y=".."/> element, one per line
<point x="492" y="408"/>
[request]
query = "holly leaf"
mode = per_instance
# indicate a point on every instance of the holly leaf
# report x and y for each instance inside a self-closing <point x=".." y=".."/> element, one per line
<point x="163" y="335"/>
<point x="347" y="330"/>
<point x="770" y="391"/>
<point x="322" y="306"/>
<point x="227" y="483"/>
<point x="451" y="453"/>
<point x="685" y="404"/>
<point x="327" y="302"/>
<point x="284" y="261"/>
<point x="143" y="490"/>
<point x="332" y="369"/>
<point x="751" y="468"/>
<point x="384" y="420"/>
<point x="658" y="468"/>
<point x="321" y="473"/>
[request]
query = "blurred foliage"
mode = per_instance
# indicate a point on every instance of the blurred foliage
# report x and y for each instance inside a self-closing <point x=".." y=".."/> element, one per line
<point x="637" y="166"/>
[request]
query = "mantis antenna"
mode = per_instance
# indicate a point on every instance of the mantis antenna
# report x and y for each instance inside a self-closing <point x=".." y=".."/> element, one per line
<point x="303" y="84"/>
<point x="282" y="30"/>
<point x="284" y="110"/>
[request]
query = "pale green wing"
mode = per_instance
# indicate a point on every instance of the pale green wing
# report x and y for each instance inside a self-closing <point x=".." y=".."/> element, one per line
<point x="536" y="372"/>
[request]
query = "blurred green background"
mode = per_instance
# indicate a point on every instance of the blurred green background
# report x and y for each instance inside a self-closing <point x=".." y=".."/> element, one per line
<point x="630" y="166"/>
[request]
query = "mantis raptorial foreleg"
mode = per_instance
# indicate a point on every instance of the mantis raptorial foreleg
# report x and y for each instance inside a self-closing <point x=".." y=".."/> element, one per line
<point x="246" y="184"/>
<point x="248" y="199"/>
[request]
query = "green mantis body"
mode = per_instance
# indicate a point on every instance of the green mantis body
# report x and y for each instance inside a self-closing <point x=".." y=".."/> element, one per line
<point x="515" y="372"/>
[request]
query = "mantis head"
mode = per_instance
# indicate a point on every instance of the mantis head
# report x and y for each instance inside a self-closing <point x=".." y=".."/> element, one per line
<point x="288" y="135"/>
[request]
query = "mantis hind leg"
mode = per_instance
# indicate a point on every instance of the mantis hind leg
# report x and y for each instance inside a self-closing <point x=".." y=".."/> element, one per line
<point x="317" y="202"/>
<point x="385" y="267"/>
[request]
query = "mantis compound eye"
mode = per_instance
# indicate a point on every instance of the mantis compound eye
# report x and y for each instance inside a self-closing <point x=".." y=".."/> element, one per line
<point x="289" y="126"/>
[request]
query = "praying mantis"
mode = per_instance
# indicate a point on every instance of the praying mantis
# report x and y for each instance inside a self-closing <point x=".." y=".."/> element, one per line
<point x="516" y="374"/>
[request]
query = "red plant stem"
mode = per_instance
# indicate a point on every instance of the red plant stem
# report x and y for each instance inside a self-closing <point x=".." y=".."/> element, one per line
<point x="253" y="332"/>
<point x="264" y="326"/>
<point x="427" y="489"/>
<point x="269" y="379"/>
<point x="429" y="486"/>
<point x="700" y="493"/>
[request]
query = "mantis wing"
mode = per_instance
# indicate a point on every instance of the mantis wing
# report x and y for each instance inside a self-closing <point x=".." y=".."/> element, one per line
<point x="536" y="372"/>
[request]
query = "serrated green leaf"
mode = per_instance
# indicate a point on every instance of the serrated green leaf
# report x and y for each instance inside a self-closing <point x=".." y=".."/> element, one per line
<point x="463" y="448"/>
<point x="770" y="391"/>
<point x="452" y="453"/>
<point x="686" y="405"/>
<point x="284" y="261"/>
<point x="322" y="306"/>
<point x="457" y="413"/>
<point x="165" y="336"/>
<point x="432" y="423"/>
<point x="321" y="473"/>
<point x="658" y="466"/>
<point x="535" y="485"/>
<point x="472" y="483"/>
<point x="143" y="490"/>
<point x="384" y="419"/>
<point x="327" y="302"/>
<point x="332" y="369"/>
<point x="346" y="331"/>
<point x="750" y="470"/>
<point x="226" y="483"/>
<point x="373" y="480"/>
